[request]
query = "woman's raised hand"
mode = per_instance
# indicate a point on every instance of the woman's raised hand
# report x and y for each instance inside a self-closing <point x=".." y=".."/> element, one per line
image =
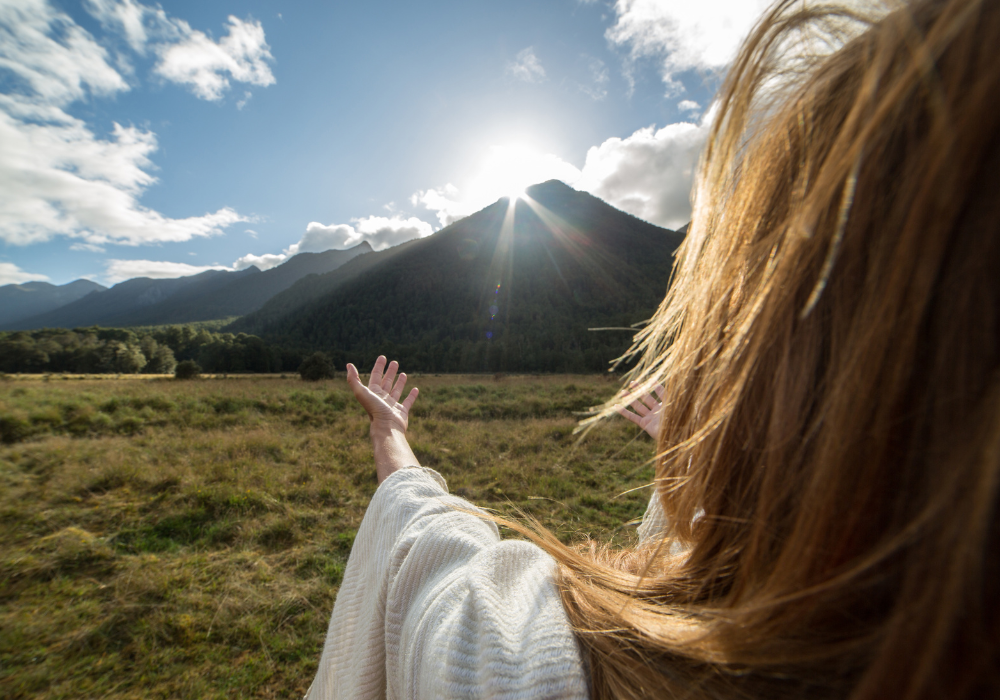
<point x="645" y="409"/>
<point x="381" y="397"/>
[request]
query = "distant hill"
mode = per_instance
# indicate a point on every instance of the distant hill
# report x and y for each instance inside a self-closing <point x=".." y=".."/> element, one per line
<point x="210" y="295"/>
<point x="311" y="288"/>
<point x="19" y="301"/>
<point x="564" y="262"/>
<point x="118" y="305"/>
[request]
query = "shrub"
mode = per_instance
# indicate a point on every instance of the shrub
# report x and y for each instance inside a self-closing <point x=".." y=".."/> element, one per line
<point x="188" y="369"/>
<point x="315" y="367"/>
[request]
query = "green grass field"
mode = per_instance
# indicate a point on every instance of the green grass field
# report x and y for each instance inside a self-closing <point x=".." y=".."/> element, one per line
<point x="165" y="539"/>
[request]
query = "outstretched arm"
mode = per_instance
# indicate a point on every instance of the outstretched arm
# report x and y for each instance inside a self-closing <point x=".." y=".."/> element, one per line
<point x="643" y="410"/>
<point x="389" y="417"/>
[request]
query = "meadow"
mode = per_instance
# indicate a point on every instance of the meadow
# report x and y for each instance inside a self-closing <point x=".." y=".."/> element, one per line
<point x="185" y="539"/>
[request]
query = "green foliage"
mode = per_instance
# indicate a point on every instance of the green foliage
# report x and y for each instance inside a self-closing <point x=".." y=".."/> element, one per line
<point x="130" y="350"/>
<point x="188" y="369"/>
<point x="315" y="367"/>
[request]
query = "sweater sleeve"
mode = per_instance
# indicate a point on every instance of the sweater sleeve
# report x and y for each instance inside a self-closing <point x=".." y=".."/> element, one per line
<point x="435" y="605"/>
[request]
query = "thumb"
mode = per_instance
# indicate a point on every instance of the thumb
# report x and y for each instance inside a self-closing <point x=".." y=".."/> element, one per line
<point x="353" y="380"/>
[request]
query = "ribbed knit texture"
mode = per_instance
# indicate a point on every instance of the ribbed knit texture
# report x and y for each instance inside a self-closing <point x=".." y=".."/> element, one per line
<point x="434" y="605"/>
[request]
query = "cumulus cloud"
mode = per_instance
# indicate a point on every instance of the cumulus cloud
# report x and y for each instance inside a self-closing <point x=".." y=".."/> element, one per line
<point x="526" y="67"/>
<point x="12" y="274"/>
<point x="688" y="106"/>
<point x="683" y="36"/>
<point x="379" y="231"/>
<point x="116" y="271"/>
<point x="649" y="174"/>
<point x="206" y="65"/>
<point x="57" y="177"/>
<point x="263" y="262"/>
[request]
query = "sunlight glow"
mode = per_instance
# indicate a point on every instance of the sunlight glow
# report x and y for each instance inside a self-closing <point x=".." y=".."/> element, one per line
<point x="509" y="169"/>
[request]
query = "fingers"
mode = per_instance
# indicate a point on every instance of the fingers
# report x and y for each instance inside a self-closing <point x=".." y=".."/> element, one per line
<point x="659" y="391"/>
<point x="634" y="417"/>
<point x="410" y="399"/>
<point x="397" y="390"/>
<point x="376" y="376"/>
<point x="390" y="375"/>
<point x="639" y="407"/>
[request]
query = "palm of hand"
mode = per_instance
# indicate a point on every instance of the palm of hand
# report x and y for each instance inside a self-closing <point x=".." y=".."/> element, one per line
<point x="643" y="410"/>
<point x="381" y="397"/>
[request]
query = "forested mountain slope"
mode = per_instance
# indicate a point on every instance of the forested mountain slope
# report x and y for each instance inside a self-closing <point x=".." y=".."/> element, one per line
<point x="118" y="305"/>
<point x="506" y="289"/>
<point x="240" y="295"/>
<point x="207" y="296"/>
<point x="20" y="301"/>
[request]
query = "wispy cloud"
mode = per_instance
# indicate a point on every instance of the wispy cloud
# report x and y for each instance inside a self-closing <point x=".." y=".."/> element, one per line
<point x="86" y="247"/>
<point x="206" y="66"/>
<point x="12" y="274"/>
<point x="116" y="271"/>
<point x="57" y="177"/>
<point x="597" y="87"/>
<point x="683" y="36"/>
<point x="526" y="67"/>
<point x="688" y="106"/>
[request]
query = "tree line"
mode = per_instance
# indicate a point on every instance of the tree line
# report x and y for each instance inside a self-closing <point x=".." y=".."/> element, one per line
<point x="98" y="350"/>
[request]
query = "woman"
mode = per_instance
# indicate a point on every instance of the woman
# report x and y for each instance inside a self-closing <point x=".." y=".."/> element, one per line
<point x="824" y="521"/>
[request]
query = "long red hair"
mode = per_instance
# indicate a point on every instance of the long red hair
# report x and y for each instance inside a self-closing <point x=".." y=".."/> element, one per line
<point x="829" y="348"/>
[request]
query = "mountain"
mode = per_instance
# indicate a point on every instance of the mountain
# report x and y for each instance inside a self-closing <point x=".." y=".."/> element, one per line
<point x="118" y="305"/>
<point x="505" y="289"/>
<point x="210" y="295"/>
<point x="19" y="301"/>
<point x="240" y="295"/>
<point x="310" y="288"/>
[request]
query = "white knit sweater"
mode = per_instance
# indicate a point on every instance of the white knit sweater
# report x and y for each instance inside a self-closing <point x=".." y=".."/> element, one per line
<point x="435" y="605"/>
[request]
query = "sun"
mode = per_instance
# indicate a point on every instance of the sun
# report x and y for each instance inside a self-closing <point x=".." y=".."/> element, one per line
<point x="515" y="193"/>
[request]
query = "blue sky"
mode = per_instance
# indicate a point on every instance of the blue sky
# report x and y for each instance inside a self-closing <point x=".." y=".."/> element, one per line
<point x="162" y="139"/>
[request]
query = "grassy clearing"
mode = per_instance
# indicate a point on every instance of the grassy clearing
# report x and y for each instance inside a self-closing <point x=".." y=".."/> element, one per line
<point x="186" y="539"/>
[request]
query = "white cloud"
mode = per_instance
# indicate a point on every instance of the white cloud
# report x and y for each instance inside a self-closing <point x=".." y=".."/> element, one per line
<point x="116" y="271"/>
<point x="379" y="231"/>
<point x="688" y="106"/>
<point x="683" y="36"/>
<point x="51" y="71"/>
<point x="57" y="177"/>
<point x="526" y="67"/>
<point x="203" y="64"/>
<point x="246" y="98"/>
<point x="649" y="174"/>
<point x="250" y="232"/>
<point x="263" y="262"/>
<point x="12" y="274"/>
<point x="132" y="19"/>
<point x="87" y="247"/>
